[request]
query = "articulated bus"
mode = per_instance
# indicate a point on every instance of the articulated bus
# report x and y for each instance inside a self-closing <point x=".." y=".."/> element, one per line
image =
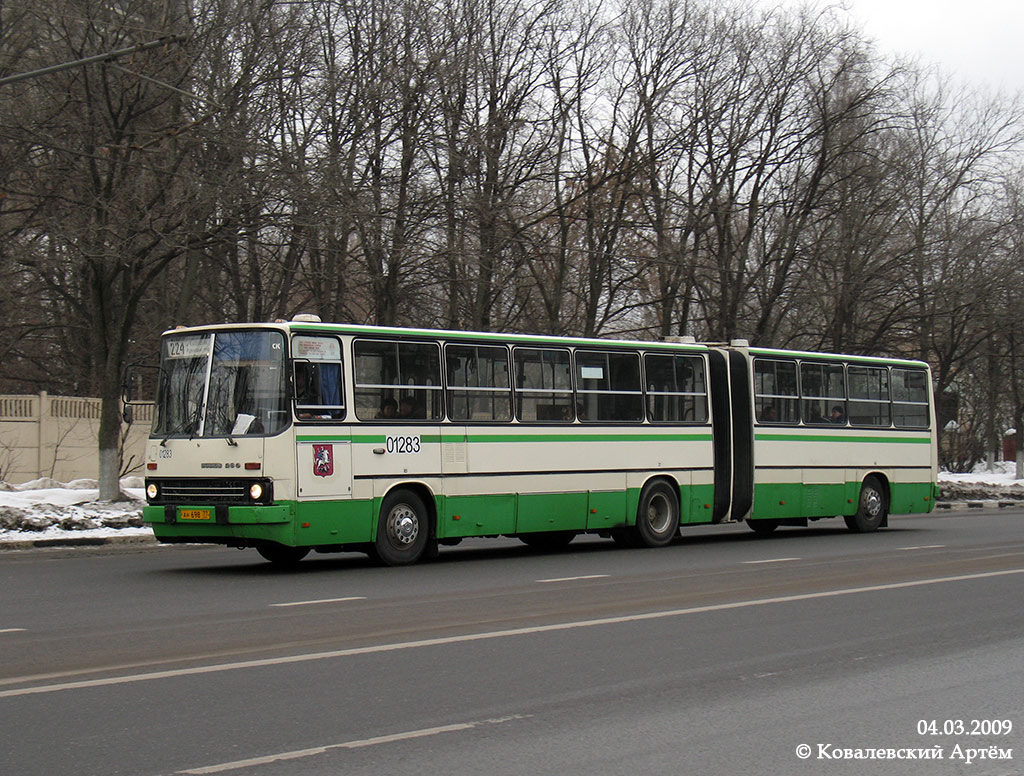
<point x="296" y="436"/>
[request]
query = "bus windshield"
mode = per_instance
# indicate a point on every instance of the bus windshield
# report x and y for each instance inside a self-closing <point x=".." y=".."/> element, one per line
<point x="222" y="384"/>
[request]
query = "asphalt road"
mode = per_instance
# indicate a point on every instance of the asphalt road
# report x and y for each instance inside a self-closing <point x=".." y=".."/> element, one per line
<point x="722" y="654"/>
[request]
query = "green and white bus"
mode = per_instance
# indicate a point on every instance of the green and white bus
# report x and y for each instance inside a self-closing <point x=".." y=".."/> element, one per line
<point x="296" y="436"/>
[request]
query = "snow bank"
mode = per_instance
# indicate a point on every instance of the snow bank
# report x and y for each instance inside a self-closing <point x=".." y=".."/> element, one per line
<point x="45" y="508"/>
<point x="983" y="484"/>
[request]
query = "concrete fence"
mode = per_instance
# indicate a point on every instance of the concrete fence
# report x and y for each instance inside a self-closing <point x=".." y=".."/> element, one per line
<point x="55" y="436"/>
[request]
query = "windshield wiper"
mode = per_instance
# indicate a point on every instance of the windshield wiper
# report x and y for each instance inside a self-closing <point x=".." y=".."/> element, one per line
<point x="191" y="423"/>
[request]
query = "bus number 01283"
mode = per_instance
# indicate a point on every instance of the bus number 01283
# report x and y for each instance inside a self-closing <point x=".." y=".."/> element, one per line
<point x="403" y="444"/>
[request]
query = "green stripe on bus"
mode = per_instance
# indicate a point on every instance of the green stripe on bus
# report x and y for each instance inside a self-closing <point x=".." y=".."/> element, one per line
<point x="589" y="437"/>
<point x="379" y="439"/>
<point x="923" y="440"/>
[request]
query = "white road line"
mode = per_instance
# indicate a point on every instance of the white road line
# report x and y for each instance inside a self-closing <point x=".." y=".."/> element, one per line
<point x="573" y="579"/>
<point x="299" y="753"/>
<point x="487" y="635"/>
<point x="773" y="560"/>
<point x="323" y="601"/>
<point x="12" y="630"/>
<point x="925" y="547"/>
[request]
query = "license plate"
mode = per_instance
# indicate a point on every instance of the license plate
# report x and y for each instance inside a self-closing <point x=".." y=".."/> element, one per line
<point x="194" y="514"/>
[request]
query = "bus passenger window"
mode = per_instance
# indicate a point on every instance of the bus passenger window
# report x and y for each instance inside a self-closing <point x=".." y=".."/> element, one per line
<point x="543" y="388"/>
<point x="398" y="379"/>
<point x="823" y="388"/>
<point x="869" y="396"/>
<point x="910" y="398"/>
<point x="676" y="391"/>
<point x="608" y="386"/>
<point x="775" y="394"/>
<point x="479" y="386"/>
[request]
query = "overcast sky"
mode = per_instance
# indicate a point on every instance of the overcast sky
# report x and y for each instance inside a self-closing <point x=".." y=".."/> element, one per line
<point x="980" y="41"/>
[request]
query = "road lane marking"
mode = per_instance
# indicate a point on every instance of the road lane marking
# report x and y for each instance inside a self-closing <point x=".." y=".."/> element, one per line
<point x="925" y="547"/>
<point x="573" y="579"/>
<point x="773" y="560"/>
<point x="12" y="630"/>
<point x="488" y="635"/>
<point x="253" y="762"/>
<point x="323" y="601"/>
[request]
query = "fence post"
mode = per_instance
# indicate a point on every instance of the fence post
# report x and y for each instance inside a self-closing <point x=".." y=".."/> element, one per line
<point x="43" y="421"/>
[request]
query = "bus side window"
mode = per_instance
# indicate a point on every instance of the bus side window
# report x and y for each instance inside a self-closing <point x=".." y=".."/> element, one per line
<point x="403" y="378"/>
<point x="869" y="396"/>
<point x="543" y="388"/>
<point x="823" y="388"/>
<point x="608" y="386"/>
<point x="776" y="399"/>
<point x="910" y="398"/>
<point x="676" y="390"/>
<point x="317" y="373"/>
<point x="479" y="386"/>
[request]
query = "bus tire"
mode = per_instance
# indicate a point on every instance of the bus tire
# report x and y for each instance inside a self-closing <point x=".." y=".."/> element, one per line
<point x="547" y="541"/>
<point x="403" y="529"/>
<point x="281" y="554"/>
<point x="763" y="526"/>
<point x="872" y="507"/>
<point x="657" y="515"/>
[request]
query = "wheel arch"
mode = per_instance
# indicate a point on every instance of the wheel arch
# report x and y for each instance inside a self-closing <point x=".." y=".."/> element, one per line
<point x="418" y="487"/>
<point x="883" y="480"/>
<point x="634" y="502"/>
<point x="886" y="484"/>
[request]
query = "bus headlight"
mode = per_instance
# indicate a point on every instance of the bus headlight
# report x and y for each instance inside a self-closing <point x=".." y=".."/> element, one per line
<point x="256" y="491"/>
<point x="152" y="491"/>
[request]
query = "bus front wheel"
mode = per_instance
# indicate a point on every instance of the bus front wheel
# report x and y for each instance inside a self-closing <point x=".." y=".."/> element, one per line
<point x="657" y="516"/>
<point x="403" y="529"/>
<point x="871" y="509"/>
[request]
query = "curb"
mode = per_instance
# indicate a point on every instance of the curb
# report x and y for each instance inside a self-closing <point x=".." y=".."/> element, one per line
<point x="77" y="541"/>
<point x="965" y="505"/>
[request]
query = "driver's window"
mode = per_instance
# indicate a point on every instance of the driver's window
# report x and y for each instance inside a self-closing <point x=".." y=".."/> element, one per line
<point x="317" y="378"/>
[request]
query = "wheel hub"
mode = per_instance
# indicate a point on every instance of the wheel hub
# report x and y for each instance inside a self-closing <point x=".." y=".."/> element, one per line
<point x="658" y="514"/>
<point x="872" y="503"/>
<point x="403" y="525"/>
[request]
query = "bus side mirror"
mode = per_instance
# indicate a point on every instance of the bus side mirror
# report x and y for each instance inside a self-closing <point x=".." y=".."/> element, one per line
<point x="127" y="381"/>
<point x="134" y="384"/>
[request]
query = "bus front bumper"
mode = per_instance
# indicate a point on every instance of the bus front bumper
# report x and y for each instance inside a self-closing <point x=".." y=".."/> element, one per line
<point x="220" y="514"/>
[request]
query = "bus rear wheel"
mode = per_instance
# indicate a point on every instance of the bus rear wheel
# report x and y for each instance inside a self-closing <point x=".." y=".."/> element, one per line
<point x="403" y="529"/>
<point x="871" y="509"/>
<point x="657" y="516"/>
<point x="281" y="554"/>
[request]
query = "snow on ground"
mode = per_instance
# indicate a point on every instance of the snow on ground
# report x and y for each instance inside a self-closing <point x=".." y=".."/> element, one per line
<point x="1001" y="475"/>
<point x="46" y="509"/>
<point x="983" y="484"/>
